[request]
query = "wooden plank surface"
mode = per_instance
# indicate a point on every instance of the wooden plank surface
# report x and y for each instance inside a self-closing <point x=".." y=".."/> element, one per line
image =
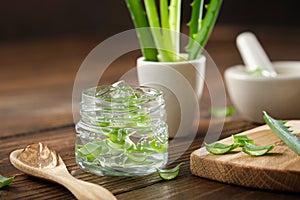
<point x="186" y="185"/>
<point x="36" y="80"/>
<point x="277" y="170"/>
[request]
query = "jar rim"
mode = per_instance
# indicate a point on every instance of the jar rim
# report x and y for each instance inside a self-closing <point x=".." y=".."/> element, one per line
<point x="151" y="94"/>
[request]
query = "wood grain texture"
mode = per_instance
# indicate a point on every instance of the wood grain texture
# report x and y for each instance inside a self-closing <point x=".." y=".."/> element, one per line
<point x="277" y="170"/>
<point x="82" y="190"/>
<point x="146" y="187"/>
<point x="36" y="79"/>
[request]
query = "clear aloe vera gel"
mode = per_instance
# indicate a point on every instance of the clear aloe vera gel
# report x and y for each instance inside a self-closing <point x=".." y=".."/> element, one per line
<point x="122" y="131"/>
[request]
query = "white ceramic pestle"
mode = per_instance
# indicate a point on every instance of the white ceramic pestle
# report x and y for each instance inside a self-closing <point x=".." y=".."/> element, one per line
<point x="254" y="55"/>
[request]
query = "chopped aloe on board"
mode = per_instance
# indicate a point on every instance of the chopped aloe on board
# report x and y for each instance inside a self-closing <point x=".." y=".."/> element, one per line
<point x="282" y="131"/>
<point x="241" y="140"/>
<point x="219" y="148"/>
<point x="254" y="150"/>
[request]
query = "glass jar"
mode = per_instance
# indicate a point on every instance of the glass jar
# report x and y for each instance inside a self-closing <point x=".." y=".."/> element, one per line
<point x="122" y="131"/>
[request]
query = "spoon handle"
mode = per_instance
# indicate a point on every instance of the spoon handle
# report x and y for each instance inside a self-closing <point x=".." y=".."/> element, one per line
<point x="253" y="54"/>
<point x="85" y="190"/>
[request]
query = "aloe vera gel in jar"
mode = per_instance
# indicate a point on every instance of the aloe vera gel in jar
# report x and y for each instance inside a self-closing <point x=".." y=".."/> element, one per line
<point x="122" y="131"/>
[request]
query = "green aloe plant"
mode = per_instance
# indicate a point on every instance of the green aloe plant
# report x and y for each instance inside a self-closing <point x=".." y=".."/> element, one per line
<point x="164" y="27"/>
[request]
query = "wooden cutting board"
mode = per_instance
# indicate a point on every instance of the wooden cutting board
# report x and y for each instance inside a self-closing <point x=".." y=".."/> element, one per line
<point x="277" y="170"/>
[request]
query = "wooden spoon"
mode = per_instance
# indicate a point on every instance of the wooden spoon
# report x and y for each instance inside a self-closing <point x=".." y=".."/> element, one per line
<point x="60" y="175"/>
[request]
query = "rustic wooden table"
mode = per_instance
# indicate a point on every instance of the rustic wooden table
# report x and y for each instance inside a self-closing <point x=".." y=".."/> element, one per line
<point x="36" y="81"/>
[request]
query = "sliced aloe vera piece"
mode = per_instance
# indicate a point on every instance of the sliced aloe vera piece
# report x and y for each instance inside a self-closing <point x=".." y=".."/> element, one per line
<point x="158" y="146"/>
<point x="283" y="132"/>
<point x="254" y="150"/>
<point x="92" y="149"/>
<point x="136" y="158"/>
<point x="222" y="111"/>
<point x="114" y="147"/>
<point x="219" y="148"/>
<point x="5" y="181"/>
<point x="129" y="144"/>
<point x="169" y="174"/>
<point x="241" y="140"/>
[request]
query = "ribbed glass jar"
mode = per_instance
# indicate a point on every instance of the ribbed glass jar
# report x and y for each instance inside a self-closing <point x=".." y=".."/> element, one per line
<point x="122" y="131"/>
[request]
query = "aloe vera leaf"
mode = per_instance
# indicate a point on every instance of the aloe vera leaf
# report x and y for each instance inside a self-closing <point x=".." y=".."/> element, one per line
<point x="254" y="150"/>
<point x="164" y="14"/>
<point x="5" y="181"/>
<point x="140" y="21"/>
<point x="169" y="174"/>
<point x="241" y="140"/>
<point x="152" y="13"/>
<point x="226" y="111"/>
<point x="166" y="32"/>
<point x="153" y="19"/>
<point x="207" y="25"/>
<point x="93" y="149"/>
<point x="129" y="144"/>
<point x="220" y="148"/>
<point x="195" y="22"/>
<point x="174" y="20"/>
<point x="159" y="147"/>
<point x="137" y="158"/>
<point x="283" y="132"/>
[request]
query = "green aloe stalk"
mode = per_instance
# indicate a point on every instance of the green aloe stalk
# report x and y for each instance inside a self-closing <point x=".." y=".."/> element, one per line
<point x="164" y="14"/>
<point x="166" y="32"/>
<point x="156" y="30"/>
<point x="207" y="24"/>
<point x="174" y="20"/>
<point x="195" y="22"/>
<point x="140" y="21"/>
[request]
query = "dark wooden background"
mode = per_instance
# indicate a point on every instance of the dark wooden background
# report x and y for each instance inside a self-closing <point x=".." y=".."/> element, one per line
<point x="42" y="45"/>
<point x="36" y="18"/>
